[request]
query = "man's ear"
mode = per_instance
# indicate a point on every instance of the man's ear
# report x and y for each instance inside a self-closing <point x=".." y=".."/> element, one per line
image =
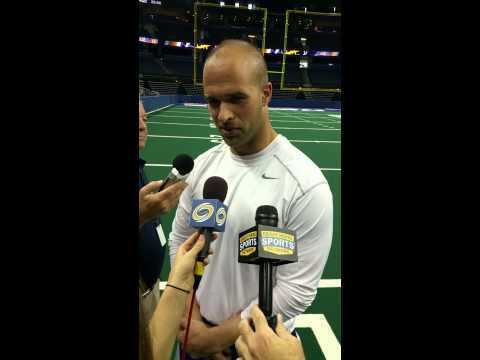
<point x="266" y="94"/>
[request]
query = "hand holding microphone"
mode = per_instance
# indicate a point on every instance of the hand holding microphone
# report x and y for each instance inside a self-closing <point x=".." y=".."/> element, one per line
<point x="181" y="274"/>
<point x="262" y="343"/>
<point x="156" y="198"/>
<point x="267" y="245"/>
<point x="209" y="214"/>
<point x="152" y="203"/>
<point x="163" y="325"/>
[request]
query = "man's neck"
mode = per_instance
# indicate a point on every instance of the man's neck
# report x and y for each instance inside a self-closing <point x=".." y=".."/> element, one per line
<point x="251" y="148"/>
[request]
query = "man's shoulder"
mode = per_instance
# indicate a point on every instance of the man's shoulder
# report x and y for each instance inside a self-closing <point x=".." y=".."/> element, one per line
<point x="299" y="166"/>
<point x="210" y="154"/>
<point x="206" y="159"/>
<point x="217" y="149"/>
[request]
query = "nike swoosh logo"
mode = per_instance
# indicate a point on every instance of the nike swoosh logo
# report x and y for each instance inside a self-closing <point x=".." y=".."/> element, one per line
<point x="268" y="177"/>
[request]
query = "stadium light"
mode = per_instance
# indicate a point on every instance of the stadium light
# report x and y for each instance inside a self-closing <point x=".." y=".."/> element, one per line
<point x="250" y="6"/>
<point x="237" y="4"/>
<point x="222" y="3"/>
<point x="303" y="39"/>
<point x="252" y="36"/>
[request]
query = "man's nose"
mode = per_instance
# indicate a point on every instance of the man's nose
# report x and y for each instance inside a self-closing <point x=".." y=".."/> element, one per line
<point x="224" y="113"/>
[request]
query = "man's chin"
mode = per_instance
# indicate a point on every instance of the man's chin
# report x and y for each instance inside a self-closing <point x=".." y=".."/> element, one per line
<point x="230" y="141"/>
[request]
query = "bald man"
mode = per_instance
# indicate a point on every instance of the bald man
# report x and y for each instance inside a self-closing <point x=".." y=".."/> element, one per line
<point x="261" y="167"/>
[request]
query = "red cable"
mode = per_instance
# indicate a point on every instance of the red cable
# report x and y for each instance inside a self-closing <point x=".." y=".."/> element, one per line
<point x="183" y="349"/>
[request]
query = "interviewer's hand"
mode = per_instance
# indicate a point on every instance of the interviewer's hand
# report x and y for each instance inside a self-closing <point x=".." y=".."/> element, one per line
<point x="263" y="343"/>
<point x="182" y="270"/>
<point x="153" y="203"/>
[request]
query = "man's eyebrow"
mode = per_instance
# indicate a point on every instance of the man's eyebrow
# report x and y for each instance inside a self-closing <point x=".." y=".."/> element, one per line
<point x="237" y="94"/>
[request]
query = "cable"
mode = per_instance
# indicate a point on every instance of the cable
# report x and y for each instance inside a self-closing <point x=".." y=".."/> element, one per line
<point x="183" y="348"/>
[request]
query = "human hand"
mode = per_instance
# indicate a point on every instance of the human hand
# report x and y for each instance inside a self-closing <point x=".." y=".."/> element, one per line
<point x="182" y="269"/>
<point x="263" y="343"/>
<point x="153" y="203"/>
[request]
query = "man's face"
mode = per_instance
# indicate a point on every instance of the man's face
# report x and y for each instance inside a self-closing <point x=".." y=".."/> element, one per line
<point x="142" y="126"/>
<point x="235" y="102"/>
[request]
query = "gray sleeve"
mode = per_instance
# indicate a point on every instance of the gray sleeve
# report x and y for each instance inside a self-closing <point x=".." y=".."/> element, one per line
<point x="180" y="227"/>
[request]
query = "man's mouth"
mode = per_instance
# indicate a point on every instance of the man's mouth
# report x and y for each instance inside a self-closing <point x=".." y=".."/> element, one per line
<point x="229" y="132"/>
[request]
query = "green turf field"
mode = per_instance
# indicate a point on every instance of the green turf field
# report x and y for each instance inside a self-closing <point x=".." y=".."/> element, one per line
<point x="188" y="129"/>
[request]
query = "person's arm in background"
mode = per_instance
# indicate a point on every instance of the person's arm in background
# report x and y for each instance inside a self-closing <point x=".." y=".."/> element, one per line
<point x="163" y="326"/>
<point x="262" y="343"/>
<point x="153" y="203"/>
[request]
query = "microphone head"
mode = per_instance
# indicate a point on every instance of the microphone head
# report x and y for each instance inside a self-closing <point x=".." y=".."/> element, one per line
<point x="267" y="215"/>
<point x="183" y="163"/>
<point x="266" y="242"/>
<point x="215" y="188"/>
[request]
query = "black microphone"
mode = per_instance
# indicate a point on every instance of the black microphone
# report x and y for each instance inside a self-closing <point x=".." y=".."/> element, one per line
<point x="181" y="167"/>
<point x="267" y="245"/>
<point x="209" y="214"/>
<point x="266" y="215"/>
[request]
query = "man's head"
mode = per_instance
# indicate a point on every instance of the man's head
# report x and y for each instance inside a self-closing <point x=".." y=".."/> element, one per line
<point x="236" y="87"/>
<point x="142" y="126"/>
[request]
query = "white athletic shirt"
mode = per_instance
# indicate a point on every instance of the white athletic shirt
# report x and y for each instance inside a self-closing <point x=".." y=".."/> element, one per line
<point x="303" y="200"/>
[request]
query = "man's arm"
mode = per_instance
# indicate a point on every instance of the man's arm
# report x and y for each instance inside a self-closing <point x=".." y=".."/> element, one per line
<point x="202" y="339"/>
<point x="205" y="340"/>
<point x="311" y="217"/>
<point x="180" y="226"/>
<point x="226" y="333"/>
